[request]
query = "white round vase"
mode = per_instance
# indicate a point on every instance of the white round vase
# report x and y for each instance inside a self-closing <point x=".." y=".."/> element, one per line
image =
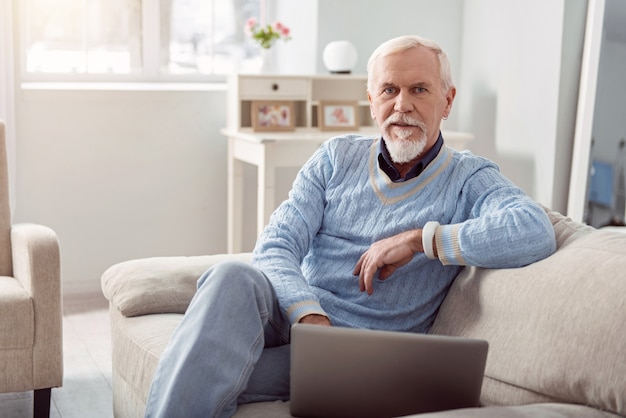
<point x="339" y="57"/>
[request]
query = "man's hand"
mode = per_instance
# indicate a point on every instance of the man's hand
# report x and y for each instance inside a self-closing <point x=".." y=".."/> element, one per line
<point x="387" y="255"/>
<point x="315" y="319"/>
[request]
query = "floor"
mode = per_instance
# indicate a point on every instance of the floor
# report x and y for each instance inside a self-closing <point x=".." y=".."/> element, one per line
<point x="86" y="390"/>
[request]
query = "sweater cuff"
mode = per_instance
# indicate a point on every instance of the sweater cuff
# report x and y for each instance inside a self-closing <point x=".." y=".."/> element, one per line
<point x="299" y="310"/>
<point x="448" y="247"/>
<point x="428" y="233"/>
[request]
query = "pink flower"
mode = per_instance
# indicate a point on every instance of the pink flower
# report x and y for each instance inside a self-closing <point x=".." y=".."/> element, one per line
<point x="266" y="35"/>
<point x="282" y="29"/>
<point x="250" y="24"/>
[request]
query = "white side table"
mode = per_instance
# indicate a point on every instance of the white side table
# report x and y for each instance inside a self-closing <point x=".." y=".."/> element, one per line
<point x="269" y="151"/>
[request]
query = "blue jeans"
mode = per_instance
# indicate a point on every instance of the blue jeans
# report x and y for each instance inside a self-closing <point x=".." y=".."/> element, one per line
<point x="230" y="348"/>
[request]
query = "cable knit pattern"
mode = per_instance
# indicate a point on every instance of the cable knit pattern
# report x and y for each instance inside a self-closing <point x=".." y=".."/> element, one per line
<point x="342" y="202"/>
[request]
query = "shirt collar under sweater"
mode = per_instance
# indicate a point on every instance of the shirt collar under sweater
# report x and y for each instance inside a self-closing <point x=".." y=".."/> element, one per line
<point x="385" y="163"/>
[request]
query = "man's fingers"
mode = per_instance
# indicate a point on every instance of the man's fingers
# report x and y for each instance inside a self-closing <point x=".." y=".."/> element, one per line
<point x="366" y="276"/>
<point x="357" y="272"/>
<point x="367" y="284"/>
<point x="357" y="268"/>
<point x="363" y="285"/>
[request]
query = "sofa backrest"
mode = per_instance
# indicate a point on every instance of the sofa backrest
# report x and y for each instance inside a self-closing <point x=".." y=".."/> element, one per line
<point x="556" y="328"/>
<point x="5" y="212"/>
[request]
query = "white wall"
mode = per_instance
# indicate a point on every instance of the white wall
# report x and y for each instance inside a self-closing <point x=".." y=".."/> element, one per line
<point x="122" y="174"/>
<point x="7" y="83"/>
<point x="301" y="17"/>
<point x="517" y="76"/>
<point x="368" y="23"/>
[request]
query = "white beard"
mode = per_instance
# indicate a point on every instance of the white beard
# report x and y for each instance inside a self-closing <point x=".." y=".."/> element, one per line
<point x="401" y="148"/>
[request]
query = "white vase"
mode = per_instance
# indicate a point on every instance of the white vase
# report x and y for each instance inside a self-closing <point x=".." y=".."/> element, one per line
<point x="339" y="57"/>
<point x="268" y="61"/>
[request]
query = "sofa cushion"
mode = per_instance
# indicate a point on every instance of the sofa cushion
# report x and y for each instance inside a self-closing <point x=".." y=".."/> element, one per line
<point x="159" y="284"/>
<point x="555" y="328"/>
<point x="138" y="343"/>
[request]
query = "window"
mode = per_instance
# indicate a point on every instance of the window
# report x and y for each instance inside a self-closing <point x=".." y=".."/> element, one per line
<point x="80" y="36"/>
<point x="136" y="39"/>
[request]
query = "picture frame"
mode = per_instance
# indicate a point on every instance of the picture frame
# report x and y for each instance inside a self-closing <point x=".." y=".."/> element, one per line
<point x="273" y="115"/>
<point x="338" y="115"/>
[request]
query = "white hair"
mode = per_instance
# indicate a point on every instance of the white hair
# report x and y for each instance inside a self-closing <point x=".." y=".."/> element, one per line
<point x="404" y="43"/>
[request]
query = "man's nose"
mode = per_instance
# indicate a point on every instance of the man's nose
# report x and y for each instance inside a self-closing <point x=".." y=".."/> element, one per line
<point x="403" y="103"/>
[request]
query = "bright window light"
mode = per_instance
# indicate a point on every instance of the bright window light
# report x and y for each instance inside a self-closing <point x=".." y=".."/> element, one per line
<point x="142" y="38"/>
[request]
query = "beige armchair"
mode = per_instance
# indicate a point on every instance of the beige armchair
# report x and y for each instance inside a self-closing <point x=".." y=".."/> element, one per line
<point x="30" y="303"/>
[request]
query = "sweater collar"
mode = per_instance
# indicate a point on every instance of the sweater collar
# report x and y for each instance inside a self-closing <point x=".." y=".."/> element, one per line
<point x="385" y="163"/>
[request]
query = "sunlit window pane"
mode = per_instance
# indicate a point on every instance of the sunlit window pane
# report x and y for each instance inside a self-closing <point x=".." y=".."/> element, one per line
<point x="83" y="36"/>
<point x="206" y="36"/>
<point x="174" y="37"/>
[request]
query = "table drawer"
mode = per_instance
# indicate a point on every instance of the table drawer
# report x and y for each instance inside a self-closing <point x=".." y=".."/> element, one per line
<point x="270" y="87"/>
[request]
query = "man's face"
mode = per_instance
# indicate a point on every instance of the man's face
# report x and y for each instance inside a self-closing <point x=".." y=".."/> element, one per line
<point x="408" y="102"/>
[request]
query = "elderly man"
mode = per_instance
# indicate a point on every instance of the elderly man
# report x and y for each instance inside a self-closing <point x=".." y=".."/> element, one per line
<point x="373" y="233"/>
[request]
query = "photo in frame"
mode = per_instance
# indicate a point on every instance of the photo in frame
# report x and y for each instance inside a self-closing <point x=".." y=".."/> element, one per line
<point x="273" y="115"/>
<point x="338" y="116"/>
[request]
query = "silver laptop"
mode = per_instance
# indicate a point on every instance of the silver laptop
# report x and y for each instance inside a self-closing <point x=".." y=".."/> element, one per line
<point x="343" y="372"/>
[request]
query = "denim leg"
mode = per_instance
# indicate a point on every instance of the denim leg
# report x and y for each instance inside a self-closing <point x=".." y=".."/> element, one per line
<point x="270" y="378"/>
<point x="215" y="348"/>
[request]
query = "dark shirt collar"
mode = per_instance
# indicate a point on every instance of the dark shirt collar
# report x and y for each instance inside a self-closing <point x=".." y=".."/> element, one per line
<point x="385" y="163"/>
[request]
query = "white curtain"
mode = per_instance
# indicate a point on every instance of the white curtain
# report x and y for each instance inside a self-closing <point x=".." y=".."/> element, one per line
<point x="7" y="88"/>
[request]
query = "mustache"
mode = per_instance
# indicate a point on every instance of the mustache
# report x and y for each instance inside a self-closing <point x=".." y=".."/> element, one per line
<point x="400" y="118"/>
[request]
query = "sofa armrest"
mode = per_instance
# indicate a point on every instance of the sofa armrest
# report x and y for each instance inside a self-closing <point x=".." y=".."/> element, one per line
<point x="158" y="284"/>
<point x="37" y="266"/>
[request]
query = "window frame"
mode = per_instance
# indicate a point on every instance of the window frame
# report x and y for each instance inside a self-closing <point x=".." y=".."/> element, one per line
<point x="150" y="72"/>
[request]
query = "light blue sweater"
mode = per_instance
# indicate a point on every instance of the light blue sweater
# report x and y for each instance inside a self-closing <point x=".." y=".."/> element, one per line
<point x="342" y="202"/>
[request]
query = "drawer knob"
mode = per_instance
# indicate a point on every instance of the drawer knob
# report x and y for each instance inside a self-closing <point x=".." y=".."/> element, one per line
<point x="274" y="86"/>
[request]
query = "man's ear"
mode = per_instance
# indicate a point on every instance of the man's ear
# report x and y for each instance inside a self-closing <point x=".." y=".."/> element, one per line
<point x="369" y="99"/>
<point x="449" y="100"/>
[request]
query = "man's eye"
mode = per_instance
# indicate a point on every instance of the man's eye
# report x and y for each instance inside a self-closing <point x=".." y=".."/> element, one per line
<point x="420" y="89"/>
<point x="389" y="90"/>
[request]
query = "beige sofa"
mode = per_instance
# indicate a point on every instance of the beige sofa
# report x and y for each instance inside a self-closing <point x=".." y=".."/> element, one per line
<point x="556" y="329"/>
<point x="31" y="337"/>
